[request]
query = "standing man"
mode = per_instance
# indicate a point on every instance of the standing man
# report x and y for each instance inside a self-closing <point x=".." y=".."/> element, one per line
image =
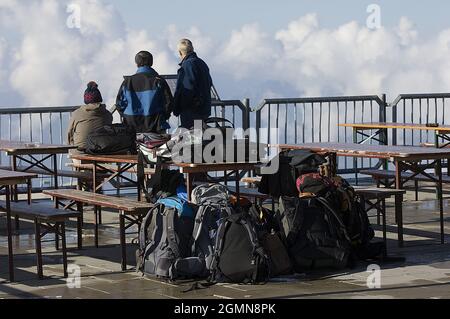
<point x="145" y="101"/>
<point x="193" y="94"/>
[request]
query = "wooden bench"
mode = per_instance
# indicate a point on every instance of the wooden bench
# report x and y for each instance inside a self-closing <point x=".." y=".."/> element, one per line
<point x="380" y="176"/>
<point x="47" y="220"/>
<point x="131" y="212"/>
<point x="86" y="176"/>
<point x="375" y="199"/>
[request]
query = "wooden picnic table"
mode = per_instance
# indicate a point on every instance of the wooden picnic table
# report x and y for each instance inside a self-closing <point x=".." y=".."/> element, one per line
<point x="124" y="163"/>
<point x="381" y="135"/>
<point x="9" y="179"/>
<point x="191" y="169"/>
<point x="27" y="151"/>
<point x="405" y="158"/>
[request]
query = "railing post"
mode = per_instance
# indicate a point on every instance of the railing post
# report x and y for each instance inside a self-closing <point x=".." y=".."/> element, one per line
<point x="394" y="120"/>
<point x="246" y="124"/>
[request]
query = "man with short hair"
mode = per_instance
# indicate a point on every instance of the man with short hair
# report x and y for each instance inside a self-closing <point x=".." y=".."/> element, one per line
<point x="193" y="93"/>
<point x="145" y="101"/>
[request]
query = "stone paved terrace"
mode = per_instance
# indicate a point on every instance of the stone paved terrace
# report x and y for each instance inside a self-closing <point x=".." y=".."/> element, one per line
<point x="426" y="273"/>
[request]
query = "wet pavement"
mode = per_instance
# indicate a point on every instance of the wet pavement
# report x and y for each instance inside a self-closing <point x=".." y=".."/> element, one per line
<point x="425" y="274"/>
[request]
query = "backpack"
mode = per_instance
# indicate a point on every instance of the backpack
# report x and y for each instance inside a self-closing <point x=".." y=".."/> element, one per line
<point x="213" y="207"/>
<point x="269" y="233"/>
<point x="292" y="164"/>
<point x="116" y="139"/>
<point x="316" y="236"/>
<point x="239" y="256"/>
<point x="152" y="146"/>
<point x="164" y="239"/>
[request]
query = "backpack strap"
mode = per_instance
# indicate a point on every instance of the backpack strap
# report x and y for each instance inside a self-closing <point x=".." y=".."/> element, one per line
<point x="153" y="182"/>
<point x="169" y="217"/>
<point x="327" y="206"/>
<point x="198" y="225"/>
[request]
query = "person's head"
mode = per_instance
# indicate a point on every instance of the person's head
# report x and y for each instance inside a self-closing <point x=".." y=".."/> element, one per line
<point x="144" y="58"/>
<point x="185" y="48"/>
<point x="92" y="94"/>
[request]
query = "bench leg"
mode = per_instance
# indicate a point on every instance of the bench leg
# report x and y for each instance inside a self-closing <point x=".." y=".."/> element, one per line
<point x="100" y="219"/>
<point x="57" y="237"/>
<point x="416" y="188"/>
<point x="123" y="243"/>
<point x="379" y="213"/>
<point x="96" y="226"/>
<point x="37" y="227"/>
<point x="399" y="218"/>
<point x="62" y="226"/>
<point x="17" y="223"/>
<point x="383" y="209"/>
<point x="80" y="233"/>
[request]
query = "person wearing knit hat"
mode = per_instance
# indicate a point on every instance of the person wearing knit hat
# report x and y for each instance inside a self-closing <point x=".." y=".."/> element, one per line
<point x="88" y="118"/>
<point x="92" y="94"/>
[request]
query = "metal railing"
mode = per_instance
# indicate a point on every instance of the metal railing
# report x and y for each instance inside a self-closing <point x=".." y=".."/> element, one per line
<point x="293" y="120"/>
<point x="418" y="109"/>
<point x="46" y="125"/>
<point x="310" y="120"/>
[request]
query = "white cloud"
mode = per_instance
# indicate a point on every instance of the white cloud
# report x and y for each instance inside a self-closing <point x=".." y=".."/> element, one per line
<point x="42" y="62"/>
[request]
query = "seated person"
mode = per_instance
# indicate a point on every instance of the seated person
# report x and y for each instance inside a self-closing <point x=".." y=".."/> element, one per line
<point x="88" y="118"/>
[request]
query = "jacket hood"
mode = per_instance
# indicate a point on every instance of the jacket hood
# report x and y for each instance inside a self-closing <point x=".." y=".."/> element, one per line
<point x="190" y="56"/>
<point x="93" y="107"/>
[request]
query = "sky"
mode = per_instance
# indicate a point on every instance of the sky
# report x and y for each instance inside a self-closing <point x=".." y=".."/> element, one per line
<point x="255" y="49"/>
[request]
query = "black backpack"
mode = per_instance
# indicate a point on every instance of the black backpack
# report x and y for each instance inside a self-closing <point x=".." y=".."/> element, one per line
<point x="213" y="207"/>
<point x="271" y="237"/>
<point x="292" y="164"/>
<point x="164" y="239"/>
<point x="316" y="236"/>
<point x="239" y="257"/>
<point x="116" y="139"/>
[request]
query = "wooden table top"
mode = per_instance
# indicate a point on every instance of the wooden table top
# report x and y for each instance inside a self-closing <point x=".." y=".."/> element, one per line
<point x="372" y="151"/>
<point x="121" y="203"/>
<point x="6" y="177"/>
<point x="23" y="148"/>
<point x="216" y="167"/>
<point x="400" y="126"/>
<point x="110" y="159"/>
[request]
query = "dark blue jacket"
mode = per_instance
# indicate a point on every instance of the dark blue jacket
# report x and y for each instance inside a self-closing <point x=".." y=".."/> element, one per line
<point x="145" y="101"/>
<point x="193" y="94"/>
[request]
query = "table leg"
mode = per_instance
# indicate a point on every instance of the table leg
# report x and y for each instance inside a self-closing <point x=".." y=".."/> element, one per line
<point x="383" y="209"/>
<point x="55" y="172"/>
<point x="123" y="243"/>
<point x="355" y="159"/>
<point x="64" y="247"/>
<point x="440" y="198"/>
<point x="189" y="185"/>
<point x="238" y="189"/>
<point x="9" y="232"/>
<point x="96" y="225"/>
<point x="37" y="227"/>
<point x="399" y="201"/>
<point x="14" y="189"/>
<point x="29" y="191"/>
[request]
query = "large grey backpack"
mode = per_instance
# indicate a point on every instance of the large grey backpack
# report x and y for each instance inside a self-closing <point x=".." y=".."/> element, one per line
<point x="213" y="207"/>
<point x="164" y="240"/>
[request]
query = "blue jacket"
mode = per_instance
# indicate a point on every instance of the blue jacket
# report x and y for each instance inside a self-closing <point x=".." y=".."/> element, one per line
<point x="145" y="101"/>
<point x="193" y="93"/>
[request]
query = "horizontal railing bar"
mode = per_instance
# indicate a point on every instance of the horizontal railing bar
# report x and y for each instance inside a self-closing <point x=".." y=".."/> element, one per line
<point x="423" y="96"/>
<point x="37" y="110"/>
<point x="320" y="100"/>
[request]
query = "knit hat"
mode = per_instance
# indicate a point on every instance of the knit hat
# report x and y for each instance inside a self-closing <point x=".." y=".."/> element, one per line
<point x="92" y="94"/>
